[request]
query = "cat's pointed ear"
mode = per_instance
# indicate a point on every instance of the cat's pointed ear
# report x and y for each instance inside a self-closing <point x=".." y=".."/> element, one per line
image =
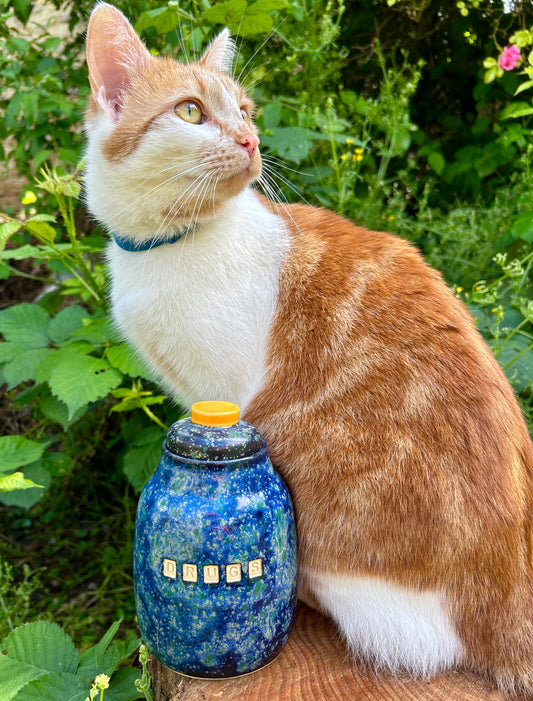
<point x="220" y="52"/>
<point x="114" y="54"/>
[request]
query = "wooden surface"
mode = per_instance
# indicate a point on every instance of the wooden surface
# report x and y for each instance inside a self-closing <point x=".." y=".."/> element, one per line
<point x="315" y="666"/>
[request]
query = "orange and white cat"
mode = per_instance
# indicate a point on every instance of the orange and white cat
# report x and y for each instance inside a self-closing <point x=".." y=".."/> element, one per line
<point x="401" y="441"/>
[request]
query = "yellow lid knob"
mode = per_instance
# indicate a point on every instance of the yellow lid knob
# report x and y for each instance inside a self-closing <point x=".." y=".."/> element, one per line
<point x="215" y="413"/>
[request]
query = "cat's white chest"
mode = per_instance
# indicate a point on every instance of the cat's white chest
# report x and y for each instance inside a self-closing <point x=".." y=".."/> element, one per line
<point x="199" y="310"/>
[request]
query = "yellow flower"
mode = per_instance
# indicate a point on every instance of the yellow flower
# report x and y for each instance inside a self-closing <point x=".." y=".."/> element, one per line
<point x="29" y="197"/>
<point x="349" y="141"/>
<point x="359" y="150"/>
<point x="459" y="289"/>
<point x="391" y="217"/>
<point x="357" y="157"/>
<point x="344" y="156"/>
<point x="102" y="681"/>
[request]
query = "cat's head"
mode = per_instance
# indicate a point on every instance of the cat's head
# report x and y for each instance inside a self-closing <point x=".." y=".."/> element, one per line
<point x="168" y="143"/>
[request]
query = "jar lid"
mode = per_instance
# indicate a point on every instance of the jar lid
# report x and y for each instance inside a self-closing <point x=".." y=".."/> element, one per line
<point x="215" y="413"/>
<point x="214" y="432"/>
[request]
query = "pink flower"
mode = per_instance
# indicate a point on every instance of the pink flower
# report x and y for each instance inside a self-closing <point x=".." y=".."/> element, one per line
<point x="509" y="58"/>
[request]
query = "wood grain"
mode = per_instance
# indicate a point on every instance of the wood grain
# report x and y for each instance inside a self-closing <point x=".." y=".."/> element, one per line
<point x="315" y="666"/>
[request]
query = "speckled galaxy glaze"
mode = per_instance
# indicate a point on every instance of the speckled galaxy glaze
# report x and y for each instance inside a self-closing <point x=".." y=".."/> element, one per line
<point x="215" y="500"/>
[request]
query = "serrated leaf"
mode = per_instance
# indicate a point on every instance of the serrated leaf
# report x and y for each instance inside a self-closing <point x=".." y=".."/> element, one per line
<point x="55" y="687"/>
<point x="61" y="358"/>
<point x="97" y="331"/>
<point x="6" y="232"/>
<point x="22" y="252"/>
<point x="43" y="645"/>
<point x="25" y="324"/>
<point x="23" y="367"/>
<point x="14" y="675"/>
<point x="143" y="456"/>
<point x="17" y="451"/>
<point x="127" y="361"/>
<point x="57" y="411"/>
<point x="83" y="380"/>
<point x="65" y="322"/>
<point x="9" y="483"/>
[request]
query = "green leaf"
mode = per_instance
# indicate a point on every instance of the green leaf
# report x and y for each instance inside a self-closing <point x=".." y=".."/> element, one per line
<point x="127" y="361"/>
<point x="104" y="657"/>
<point x="17" y="480"/>
<point x="43" y="645"/>
<point x="55" y="687"/>
<point x="8" y="351"/>
<point x="57" y="411"/>
<point x="17" y="451"/>
<point x="65" y="322"/>
<point x="524" y="86"/>
<point x="84" y="379"/>
<point x="98" y="331"/>
<point x="522" y="227"/>
<point x="61" y="358"/>
<point x="122" y="685"/>
<point x="292" y="143"/>
<point x="437" y="162"/>
<point x="162" y="19"/>
<point x="516" y="357"/>
<point x="42" y="230"/>
<point x="227" y="13"/>
<point x="23" y="367"/>
<point x="22" y="252"/>
<point x="143" y="456"/>
<point x="250" y="25"/>
<point x="26" y="498"/>
<point x="6" y="232"/>
<point x="14" y="675"/>
<point x="516" y="109"/>
<point x="25" y="324"/>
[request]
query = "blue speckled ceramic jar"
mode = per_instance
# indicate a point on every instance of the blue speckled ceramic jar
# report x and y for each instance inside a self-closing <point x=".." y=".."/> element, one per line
<point x="215" y="549"/>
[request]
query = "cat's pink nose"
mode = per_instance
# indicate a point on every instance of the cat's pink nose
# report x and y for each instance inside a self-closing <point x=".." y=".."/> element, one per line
<point x="250" y="143"/>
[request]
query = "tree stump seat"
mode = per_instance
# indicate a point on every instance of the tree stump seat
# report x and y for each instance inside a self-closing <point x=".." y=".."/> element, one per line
<point x="315" y="666"/>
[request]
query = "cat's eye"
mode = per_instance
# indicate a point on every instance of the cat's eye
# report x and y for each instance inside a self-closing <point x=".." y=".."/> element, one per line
<point x="189" y="112"/>
<point x="245" y="116"/>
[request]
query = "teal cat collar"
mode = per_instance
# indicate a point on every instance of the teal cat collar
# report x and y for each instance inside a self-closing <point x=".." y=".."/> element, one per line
<point x="129" y="244"/>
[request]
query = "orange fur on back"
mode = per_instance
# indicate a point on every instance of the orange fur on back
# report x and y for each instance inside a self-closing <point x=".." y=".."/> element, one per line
<point x="394" y="425"/>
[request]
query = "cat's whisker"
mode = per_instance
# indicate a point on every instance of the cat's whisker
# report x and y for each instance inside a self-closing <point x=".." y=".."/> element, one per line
<point x="281" y="206"/>
<point x="279" y="162"/>
<point x="139" y="193"/>
<point x="239" y="78"/>
<point x="272" y="175"/>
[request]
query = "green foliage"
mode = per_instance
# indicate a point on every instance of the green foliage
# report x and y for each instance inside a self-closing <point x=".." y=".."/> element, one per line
<point x="504" y="308"/>
<point x="41" y="92"/>
<point x="40" y="661"/>
<point x="15" y="598"/>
